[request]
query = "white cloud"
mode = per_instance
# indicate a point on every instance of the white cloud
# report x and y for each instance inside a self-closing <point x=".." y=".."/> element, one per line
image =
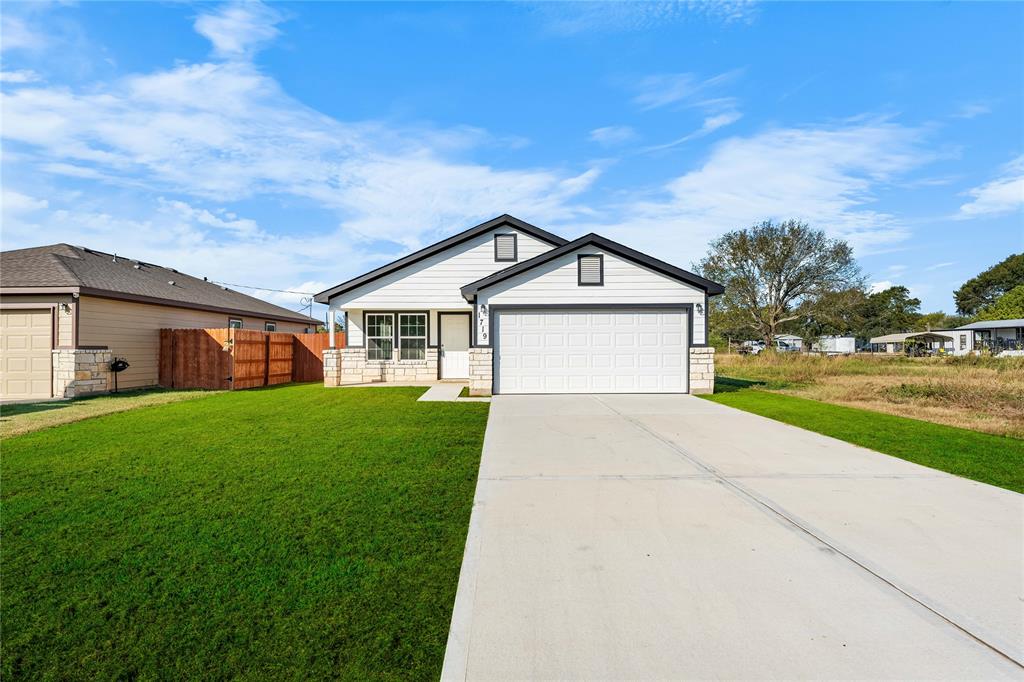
<point x="15" y="203"/>
<point x="570" y="18"/>
<point x="972" y="110"/>
<point x="612" y="135"/>
<point x="711" y="124"/>
<point x="876" y="287"/>
<point x="224" y="132"/>
<point x="939" y="266"/>
<point x="237" y="29"/>
<point x="1005" y="194"/>
<point x="683" y="88"/>
<point x="17" y="34"/>
<point x="20" y="76"/>
<point x="686" y="90"/>
<point x="827" y="176"/>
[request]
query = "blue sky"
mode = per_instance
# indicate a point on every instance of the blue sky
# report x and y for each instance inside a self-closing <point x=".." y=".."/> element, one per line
<point x="295" y="145"/>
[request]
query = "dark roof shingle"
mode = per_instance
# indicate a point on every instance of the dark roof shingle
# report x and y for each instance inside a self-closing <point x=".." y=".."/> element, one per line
<point x="63" y="265"/>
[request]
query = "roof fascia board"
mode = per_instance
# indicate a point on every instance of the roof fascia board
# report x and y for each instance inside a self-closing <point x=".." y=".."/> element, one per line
<point x="417" y="256"/>
<point x="712" y="288"/>
<point x="10" y="291"/>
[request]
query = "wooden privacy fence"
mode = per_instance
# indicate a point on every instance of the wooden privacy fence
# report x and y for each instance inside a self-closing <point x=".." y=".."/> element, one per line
<point x="240" y="358"/>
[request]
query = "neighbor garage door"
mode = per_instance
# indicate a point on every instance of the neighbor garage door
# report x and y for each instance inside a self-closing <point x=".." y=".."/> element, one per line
<point x="591" y="351"/>
<point x="25" y="343"/>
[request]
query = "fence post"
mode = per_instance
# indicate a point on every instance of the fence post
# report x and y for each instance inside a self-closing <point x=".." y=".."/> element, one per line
<point x="266" y="358"/>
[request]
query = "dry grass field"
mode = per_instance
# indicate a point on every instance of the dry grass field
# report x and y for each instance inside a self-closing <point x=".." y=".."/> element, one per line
<point x="980" y="393"/>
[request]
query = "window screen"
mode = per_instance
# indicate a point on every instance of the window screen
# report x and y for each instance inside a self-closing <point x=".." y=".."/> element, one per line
<point x="412" y="336"/>
<point x="591" y="270"/>
<point x="380" y="336"/>
<point x="505" y="247"/>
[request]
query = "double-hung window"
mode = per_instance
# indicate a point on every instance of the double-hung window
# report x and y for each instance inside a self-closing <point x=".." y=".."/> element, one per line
<point x="412" y="336"/>
<point x="380" y="336"/>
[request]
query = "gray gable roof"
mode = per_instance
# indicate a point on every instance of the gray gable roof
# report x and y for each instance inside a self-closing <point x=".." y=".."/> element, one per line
<point x="94" y="272"/>
<point x="465" y="235"/>
<point x="711" y="288"/>
<point x="994" y="324"/>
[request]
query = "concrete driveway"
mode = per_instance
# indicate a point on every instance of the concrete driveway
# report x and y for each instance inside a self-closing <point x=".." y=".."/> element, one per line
<point x="657" y="537"/>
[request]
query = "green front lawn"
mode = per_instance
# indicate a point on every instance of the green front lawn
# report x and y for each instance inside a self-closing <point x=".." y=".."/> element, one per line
<point x="293" y="532"/>
<point x="997" y="460"/>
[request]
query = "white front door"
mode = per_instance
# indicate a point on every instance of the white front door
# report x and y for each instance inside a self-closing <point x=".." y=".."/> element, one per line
<point x="454" y="354"/>
<point x="591" y="351"/>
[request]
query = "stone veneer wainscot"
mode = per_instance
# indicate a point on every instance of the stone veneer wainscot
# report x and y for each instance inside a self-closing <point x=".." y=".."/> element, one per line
<point x="79" y="372"/>
<point x="347" y="366"/>
<point x="702" y="370"/>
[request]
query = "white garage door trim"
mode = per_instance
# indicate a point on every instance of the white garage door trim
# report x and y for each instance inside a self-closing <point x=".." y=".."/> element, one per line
<point x="573" y="320"/>
<point x="29" y="359"/>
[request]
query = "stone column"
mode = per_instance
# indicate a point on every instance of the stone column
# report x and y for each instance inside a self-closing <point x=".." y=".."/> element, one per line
<point x="480" y="371"/>
<point x="79" y="372"/>
<point x="702" y="370"/>
<point x="332" y="366"/>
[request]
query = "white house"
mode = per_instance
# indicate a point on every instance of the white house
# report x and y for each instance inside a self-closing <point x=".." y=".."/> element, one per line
<point x="512" y="308"/>
<point x="997" y="336"/>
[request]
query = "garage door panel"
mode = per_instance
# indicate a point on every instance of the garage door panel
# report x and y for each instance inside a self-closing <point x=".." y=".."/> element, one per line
<point x="25" y="340"/>
<point x="581" y="351"/>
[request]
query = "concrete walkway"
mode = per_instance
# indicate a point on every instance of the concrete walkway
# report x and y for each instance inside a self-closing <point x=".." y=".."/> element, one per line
<point x="668" y="537"/>
<point x="442" y="392"/>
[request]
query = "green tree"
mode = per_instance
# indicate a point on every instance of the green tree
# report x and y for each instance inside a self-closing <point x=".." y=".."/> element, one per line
<point x="983" y="290"/>
<point x="771" y="270"/>
<point x="833" y="313"/>
<point x="1009" y="306"/>
<point x="939" y="320"/>
<point x="888" y="311"/>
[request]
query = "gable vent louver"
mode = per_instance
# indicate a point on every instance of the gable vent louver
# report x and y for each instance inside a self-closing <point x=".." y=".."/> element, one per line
<point x="591" y="270"/>
<point x="505" y="247"/>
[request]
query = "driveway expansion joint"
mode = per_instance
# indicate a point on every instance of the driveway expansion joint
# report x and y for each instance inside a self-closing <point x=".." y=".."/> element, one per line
<point x="794" y="522"/>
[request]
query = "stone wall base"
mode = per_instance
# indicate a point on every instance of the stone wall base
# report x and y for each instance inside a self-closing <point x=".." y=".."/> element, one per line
<point x="702" y="370"/>
<point x="480" y="371"/>
<point x="79" y="372"/>
<point x="348" y="366"/>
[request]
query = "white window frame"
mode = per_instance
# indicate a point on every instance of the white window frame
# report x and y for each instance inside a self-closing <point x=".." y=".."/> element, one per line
<point x="390" y="338"/>
<point x="402" y="338"/>
<point x="232" y="321"/>
<point x="270" y="326"/>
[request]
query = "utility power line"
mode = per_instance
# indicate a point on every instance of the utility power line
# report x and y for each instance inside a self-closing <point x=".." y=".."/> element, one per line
<point x="281" y="291"/>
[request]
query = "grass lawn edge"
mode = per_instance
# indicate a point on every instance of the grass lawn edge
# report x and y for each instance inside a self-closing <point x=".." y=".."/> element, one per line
<point x="986" y="458"/>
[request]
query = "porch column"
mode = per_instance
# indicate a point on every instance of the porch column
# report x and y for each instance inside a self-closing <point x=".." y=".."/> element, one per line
<point x="330" y="325"/>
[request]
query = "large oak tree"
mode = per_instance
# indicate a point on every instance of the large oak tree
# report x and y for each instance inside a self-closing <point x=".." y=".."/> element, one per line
<point x="774" y="273"/>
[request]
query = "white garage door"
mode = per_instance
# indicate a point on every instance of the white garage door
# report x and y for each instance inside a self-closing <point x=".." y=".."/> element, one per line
<point x="591" y="351"/>
<point x="25" y="342"/>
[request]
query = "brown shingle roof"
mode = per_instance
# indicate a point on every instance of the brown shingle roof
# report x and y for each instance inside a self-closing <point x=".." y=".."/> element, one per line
<point x="63" y="265"/>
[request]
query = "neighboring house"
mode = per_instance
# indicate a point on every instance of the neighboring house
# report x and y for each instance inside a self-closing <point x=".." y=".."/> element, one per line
<point x="513" y="308"/>
<point x="65" y="311"/>
<point x="996" y="336"/>
<point x="789" y="343"/>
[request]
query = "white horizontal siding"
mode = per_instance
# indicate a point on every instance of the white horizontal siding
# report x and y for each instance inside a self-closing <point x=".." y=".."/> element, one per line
<point x="625" y="282"/>
<point x="434" y="283"/>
